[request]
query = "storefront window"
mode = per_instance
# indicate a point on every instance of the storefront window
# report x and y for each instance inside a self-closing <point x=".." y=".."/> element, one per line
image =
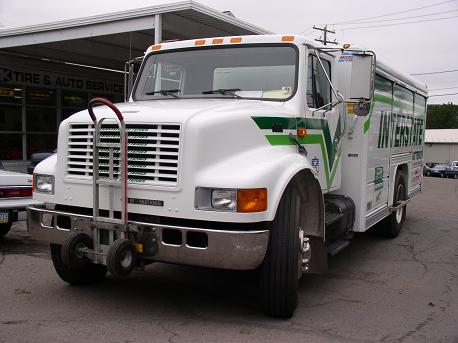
<point x="10" y="146"/>
<point x="10" y="118"/>
<point x="41" y="96"/>
<point x="11" y="94"/>
<point x="73" y="102"/>
<point x="39" y="142"/>
<point x="41" y="119"/>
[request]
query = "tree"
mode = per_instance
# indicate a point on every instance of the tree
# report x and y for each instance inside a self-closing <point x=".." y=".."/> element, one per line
<point x="442" y="116"/>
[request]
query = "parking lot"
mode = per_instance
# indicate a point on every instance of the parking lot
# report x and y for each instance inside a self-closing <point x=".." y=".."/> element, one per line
<point x="402" y="290"/>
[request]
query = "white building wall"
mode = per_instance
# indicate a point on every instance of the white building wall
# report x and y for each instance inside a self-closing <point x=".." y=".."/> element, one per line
<point x="441" y="152"/>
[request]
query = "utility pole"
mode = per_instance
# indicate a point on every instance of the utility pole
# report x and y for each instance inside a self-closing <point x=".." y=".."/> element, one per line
<point x="325" y="40"/>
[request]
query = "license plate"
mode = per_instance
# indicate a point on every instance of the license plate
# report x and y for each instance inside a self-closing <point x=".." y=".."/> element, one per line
<point x="4" y="217"/>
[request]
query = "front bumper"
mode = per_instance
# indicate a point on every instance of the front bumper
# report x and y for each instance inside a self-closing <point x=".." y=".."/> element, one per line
<point x="226" y="249"/>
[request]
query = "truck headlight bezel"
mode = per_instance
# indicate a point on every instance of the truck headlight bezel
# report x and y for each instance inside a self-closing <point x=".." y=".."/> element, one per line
<point x="43" y="184"/>
<point x="231" y="199"/>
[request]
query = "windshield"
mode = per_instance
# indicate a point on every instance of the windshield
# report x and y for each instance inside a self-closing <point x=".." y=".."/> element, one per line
<point x="251" y="72"/>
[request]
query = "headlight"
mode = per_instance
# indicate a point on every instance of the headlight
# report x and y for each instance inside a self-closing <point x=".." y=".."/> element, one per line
<point x="231" y="200"/>
<point x="44" y="183"/>
<point x="224" y="199"/>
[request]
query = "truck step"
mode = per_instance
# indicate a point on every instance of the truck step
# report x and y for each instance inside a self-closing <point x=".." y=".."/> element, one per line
<point x="334" y="247"/>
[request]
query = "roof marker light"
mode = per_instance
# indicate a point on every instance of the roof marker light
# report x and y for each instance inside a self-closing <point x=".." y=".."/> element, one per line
<point x="236" y="40"/>
<point x="217" y="41"/>
<point x="287" y="38"/>
<point x="200" y="42"/>
<point x="156" y="47"/>
<point x="301" y="132"/>
<point x="346" y="45"/>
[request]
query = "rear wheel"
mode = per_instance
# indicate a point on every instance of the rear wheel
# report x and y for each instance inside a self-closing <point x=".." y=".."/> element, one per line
<point x="5" y="228"/>
<point x="281" y="270"/>
<point x="90" y="273"/>
<point x="392" y="225"/>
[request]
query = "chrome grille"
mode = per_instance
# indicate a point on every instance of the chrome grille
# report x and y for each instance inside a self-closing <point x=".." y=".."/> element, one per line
<point x="153" y="152"/>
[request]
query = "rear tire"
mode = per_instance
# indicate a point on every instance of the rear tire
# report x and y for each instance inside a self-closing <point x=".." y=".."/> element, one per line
<point x="280" y="272"/>
<point x="392" y="225"/>
<point x="5" y="228"/>
<point x="89" y="274"/>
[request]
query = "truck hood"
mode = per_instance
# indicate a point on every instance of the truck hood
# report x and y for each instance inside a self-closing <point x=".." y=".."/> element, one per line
<point x="182" y="110"/>
<point x="8" y="178"/>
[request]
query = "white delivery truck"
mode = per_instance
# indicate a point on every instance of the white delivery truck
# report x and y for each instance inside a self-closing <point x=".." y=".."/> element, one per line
<point x="253" y="152"/>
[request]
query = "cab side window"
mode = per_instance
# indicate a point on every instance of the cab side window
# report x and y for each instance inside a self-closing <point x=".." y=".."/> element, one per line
<point x="318" y="87"/>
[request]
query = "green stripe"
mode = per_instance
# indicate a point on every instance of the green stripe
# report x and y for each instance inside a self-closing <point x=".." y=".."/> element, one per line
<point x="330" y="156"/>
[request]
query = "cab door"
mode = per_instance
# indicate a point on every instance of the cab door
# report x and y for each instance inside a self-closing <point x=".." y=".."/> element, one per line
<point x="322" y="121"/>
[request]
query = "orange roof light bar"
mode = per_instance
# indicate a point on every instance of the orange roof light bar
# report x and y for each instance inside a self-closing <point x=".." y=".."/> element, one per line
<point x="218" y="41"/>
<point x="236" y="40"/>
<point x="200" y="42"/>
<point x="287" y="39"/>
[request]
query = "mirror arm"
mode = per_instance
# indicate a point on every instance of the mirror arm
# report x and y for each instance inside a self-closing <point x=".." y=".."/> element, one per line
<point x="325" y="73"/>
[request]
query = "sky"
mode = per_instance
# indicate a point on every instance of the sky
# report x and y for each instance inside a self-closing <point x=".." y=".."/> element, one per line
<point x="428" y="43"/>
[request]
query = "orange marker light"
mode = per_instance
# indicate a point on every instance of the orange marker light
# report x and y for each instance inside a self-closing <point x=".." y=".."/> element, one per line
<point x="301" y="132"/>
<point x="217" y="41"/>
<point x="156" y="47"/>
<point x="236" y="40"/>
<point x="251" y="200"/>
<point x="200" y="42"/>
<point x="287" y="38"/>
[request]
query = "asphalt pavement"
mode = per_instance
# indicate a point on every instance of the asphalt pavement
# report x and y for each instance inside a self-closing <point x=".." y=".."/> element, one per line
<point x="376" y="290"/>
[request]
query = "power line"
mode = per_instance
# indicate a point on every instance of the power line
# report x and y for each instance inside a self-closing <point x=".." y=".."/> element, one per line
<point x="325" y="30"/>
<point x="393" y="13"/>
<point x="396" y="24"/>
<point x="442" y="89"/>
<point x="431" y="96"/>
<point x="437" y="72"/>
<point x="403" y="18"/>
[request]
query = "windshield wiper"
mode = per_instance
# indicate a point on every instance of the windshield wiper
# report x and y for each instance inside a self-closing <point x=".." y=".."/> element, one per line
<point x="170" y="92"/>
<point x="225" y="91"/>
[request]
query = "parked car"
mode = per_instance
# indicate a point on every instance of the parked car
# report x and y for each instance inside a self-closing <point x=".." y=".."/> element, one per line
<point x="438" y="170"/>
<point x="452" y="172"/>
<point x="37" y="158"/>
<point x="15" y="195"/>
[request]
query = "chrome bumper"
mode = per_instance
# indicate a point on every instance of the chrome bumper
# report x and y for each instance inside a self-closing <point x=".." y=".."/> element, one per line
<point x="240" y="250"/>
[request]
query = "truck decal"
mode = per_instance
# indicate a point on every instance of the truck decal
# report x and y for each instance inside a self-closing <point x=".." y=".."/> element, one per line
<point x="330" y="153"/>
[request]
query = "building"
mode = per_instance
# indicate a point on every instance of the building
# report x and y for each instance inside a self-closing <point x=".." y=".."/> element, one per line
<point x="49" y="71"/>
<point x="441" y="146"/>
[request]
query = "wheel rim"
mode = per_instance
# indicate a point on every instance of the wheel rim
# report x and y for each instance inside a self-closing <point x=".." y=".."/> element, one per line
<point x="126" y="258"/>
<point x="400" y="196"/>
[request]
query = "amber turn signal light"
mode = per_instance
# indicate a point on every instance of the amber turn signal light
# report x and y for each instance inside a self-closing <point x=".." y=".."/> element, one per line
<point x="251" y="200"/>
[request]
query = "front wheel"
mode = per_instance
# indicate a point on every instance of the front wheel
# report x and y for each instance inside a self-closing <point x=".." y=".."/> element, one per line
<point x="280" y="269"/>
<point x="88" y="274"/>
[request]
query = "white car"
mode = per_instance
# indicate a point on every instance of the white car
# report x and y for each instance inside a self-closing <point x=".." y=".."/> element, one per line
<point x="15" y="195"/>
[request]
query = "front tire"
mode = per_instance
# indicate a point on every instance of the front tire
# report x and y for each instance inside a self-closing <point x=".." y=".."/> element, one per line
<point x="280" y="272"/>
<point x="88" y="274"/>
<point x="5" y="228"/>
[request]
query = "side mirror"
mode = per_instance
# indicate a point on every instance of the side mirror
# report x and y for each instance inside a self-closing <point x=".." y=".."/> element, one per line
<point x="362" y="82"/>
<point x="362" y="77"/>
